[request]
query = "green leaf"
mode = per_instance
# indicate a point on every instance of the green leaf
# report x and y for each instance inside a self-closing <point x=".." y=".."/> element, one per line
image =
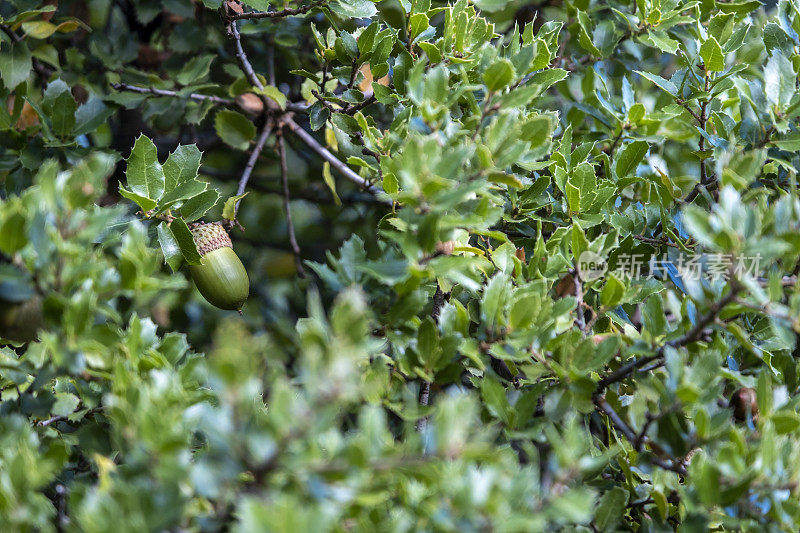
<point x="65" y="404"/>
<point x="183" y="238"/>
<point x="579" y="241"/>
<point x="169" y="247"/>
<point x="573" y="198"/>
<point x="15" y="63"/>
<point x="494" y="300"/>
<point x="711" y="52"/>
<point x="144" y="172"/>
<point x="327" y="177"/>
<point x="505" y="179"/>
<point x="181" y="165"/>
<point x="63" y="114"/>
<point x="274" y="93"/>
<point x="653" y="314"/>
<point x="662" y="41"/>
<point x="629" y="158"/>
<point x="547" y="78"/>
<point x="779" y="80"/>
<point x="234" y="129"/>
<point x="661" y="503"/>
<point x="584" y="38"/>
<point x="636" y="113"/>
<point x="184" y="191"/>
<point x="499" y="75"/>
<point x="353" y="8"/>
<point x="612" y="293"/>
<point x="145" y="203"/>
<point x="197" y="206"/>
<point x="229" y="208"/>
<point x="428" y="344"/>
<point x="494" y="397"/>
<point x="660" y="82"/>
<point x="418" y="24"/>
<point x="195" y="70"/>
<point x="39" y="29"/>
<point x="12" y="233"/>
<point x="785" y="422"/>
<point x="91" y="115"/>
<point x="610" y="508"/>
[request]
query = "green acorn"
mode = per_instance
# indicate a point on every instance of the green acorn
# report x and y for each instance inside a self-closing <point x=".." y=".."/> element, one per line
<point x="20" y="322"/>
<point x="221" y="278"/>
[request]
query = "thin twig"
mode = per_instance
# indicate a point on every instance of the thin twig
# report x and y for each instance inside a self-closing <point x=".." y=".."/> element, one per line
<point x="667" y="464"/>
<point x="251" y="163"/>
<point x="315" y="196"/>
<point x="61" y="418"/>
<point x="298" y="107"/>
<point x="615" y="144"/>
<point x="279" y="14"/>
<point x="576" y="279"/>
<point x="287" y="206"/>
<point x="353" y="109"/>
<point x="439" y="299"/>
<point x="247" y="67"/>
<point x="655" y="242"/>
<point x="689" y="337"/>
<point x="163" y="92"/>
<point x="8" y="31"/>
<point x="335" y="162"/>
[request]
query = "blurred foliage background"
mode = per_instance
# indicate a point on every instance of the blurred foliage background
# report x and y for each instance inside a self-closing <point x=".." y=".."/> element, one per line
<point x="422" y="349"/>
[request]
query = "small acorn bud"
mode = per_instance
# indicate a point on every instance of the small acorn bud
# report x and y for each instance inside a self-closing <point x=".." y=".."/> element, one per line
<point x="742" y="401"/>
<point x="19" y="322"/>
<point x="221" y="278"/>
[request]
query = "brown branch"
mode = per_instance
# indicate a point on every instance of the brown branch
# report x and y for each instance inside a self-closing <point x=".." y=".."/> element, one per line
<point x="667" y="464"/>
<point x="576" y="279"/>
<point x="247" y="67"/>
<point x="353" y="109"/>
<point x="61" y="418"/>
<point x="767" y="137"/>
<point x="689" y="337"/>
<point x="335" y="162"/>
<point x="655" y="242"/>
<point x="8" y="31"/>
<point x="691" y="111"/>
<point x="251" y="163"/>
<point x="615" y="144"/>
<point x="279" y="14"/>
<point x="163" y="92"/>
<point x="439" y="299"/>
<point x="311" y="195"/>
<point x="299" y="107"/>
<point x="287" y="206"/>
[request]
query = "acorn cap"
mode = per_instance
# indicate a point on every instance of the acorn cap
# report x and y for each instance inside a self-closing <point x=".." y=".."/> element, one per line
<point x="210" y="237"/>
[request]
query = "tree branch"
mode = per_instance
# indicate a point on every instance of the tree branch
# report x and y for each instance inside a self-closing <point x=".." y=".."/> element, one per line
<point x="581" y="320"/>
<point x="251" y="163"/>
<point x="439" y="299"/>
<point x="247" y="67"/>
<point x="689" y="337"/>
<point x="353" y="109"/>
<point x="335" y="162"/>
<point x="279" y="14"/>
<point x="163" y="92"/>
<point x="637" y="441"/>
<point x="287" y="206"/>
<point x="654" y="242"/>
